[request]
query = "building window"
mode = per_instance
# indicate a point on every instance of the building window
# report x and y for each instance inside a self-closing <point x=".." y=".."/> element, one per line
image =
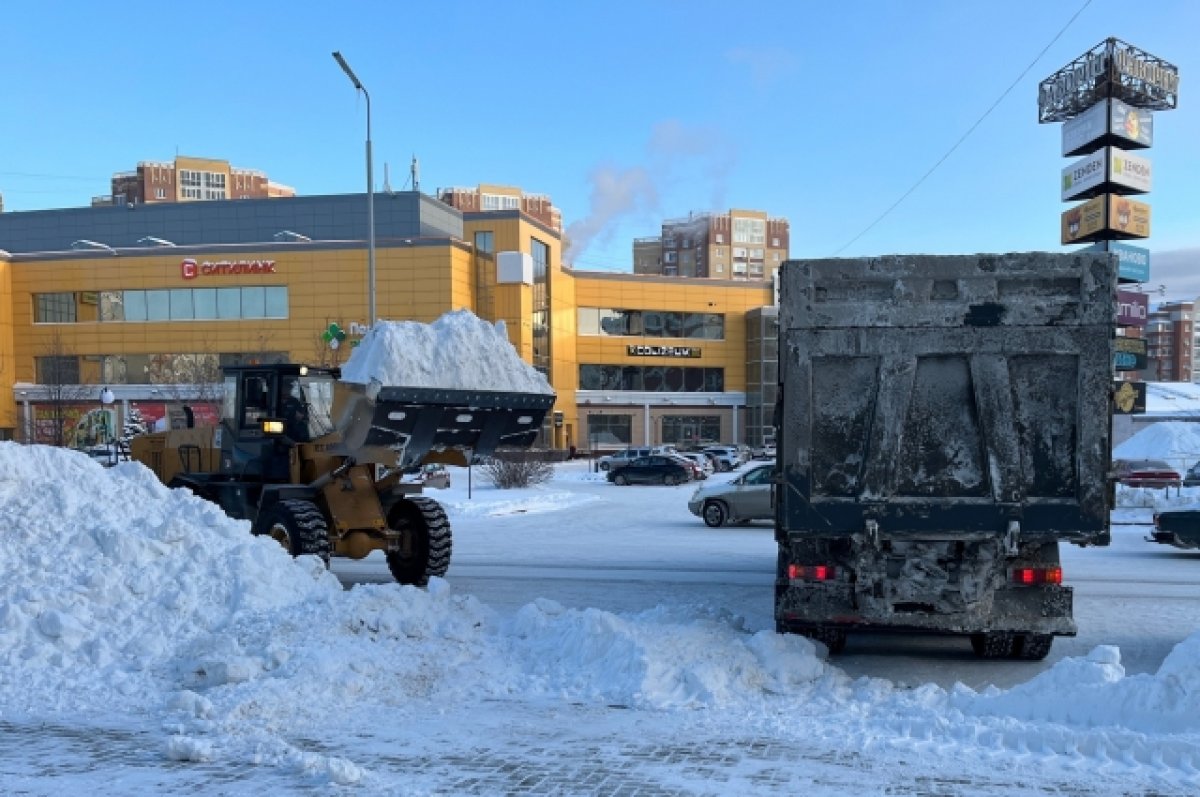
<point x="57" y="370"/>
<point x="195" y="304"/>
<point x="691" y="429"/>
<point x="500" y="202"/>
<point x="55" y="308"/>
<point x="609" y="430"/>
<point x="651" y="323"/>
<point x="160" y="193"/>
<point x="749" y="231"/>
<point x="652" y="378"/>
<point x="485" y="242"/>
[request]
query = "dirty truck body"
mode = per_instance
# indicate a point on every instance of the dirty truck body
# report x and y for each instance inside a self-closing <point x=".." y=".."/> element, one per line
<point x="317" y="463"/>
<point x="943" y="423"/>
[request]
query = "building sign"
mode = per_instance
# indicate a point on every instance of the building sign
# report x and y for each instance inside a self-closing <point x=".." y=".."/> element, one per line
<point x="1129" y="398"/>
<point x="221" y="268"/>
<point x="1108" y="169"/>
<point x="1114" y="69"/>
<point x="1108" y="122"/>
<point x="1130" y="354"/>
<point x="1104" y="216"/>
<point x="1128" y="218"/>
<point x="1082" y="222"/>
<point x="663" y="351"/>
<point x="1133" y="308"/>
<point x="1134" y="261"/>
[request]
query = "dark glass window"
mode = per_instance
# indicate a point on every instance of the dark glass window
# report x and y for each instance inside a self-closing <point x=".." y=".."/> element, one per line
<point x="57" y="370"/>
<point x="54" y="308"/>
<point x="609" y="430"/>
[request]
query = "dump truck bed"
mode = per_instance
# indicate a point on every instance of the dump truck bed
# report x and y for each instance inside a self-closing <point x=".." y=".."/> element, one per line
<point x="946" y="397"/>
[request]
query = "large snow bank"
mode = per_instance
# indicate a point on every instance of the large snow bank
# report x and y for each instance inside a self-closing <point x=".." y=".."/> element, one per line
<point x="1177" y="442"/>
<point x="459" y="351"/>
<point x="108" y="575"/>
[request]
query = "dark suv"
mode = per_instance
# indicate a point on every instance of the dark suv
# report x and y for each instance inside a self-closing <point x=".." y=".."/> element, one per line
<point x="1192" y="477"/>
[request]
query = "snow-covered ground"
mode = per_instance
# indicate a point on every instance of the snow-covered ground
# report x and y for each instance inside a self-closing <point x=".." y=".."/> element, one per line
<point x="150" y="645"/>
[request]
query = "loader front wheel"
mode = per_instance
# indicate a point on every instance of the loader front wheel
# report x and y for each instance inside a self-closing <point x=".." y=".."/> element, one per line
<point x="425" y="542"/>
<point x="298" y="526"/>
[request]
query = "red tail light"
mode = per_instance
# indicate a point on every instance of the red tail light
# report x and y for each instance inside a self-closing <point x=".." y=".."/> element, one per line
<point x="1033" y="576"/>
<point x="811" y="572"/>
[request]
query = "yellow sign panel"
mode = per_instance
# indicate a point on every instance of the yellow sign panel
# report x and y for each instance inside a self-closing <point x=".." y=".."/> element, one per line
<point x="1128" y="217"/>
<point x="1081" y="222"/>
<point x="1106" y="217"/>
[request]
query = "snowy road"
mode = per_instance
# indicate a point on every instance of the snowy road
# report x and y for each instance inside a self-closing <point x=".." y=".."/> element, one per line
<point x="588" y="640"/>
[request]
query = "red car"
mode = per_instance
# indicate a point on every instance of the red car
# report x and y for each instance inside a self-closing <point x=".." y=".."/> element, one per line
<point x="1146" y="473"/>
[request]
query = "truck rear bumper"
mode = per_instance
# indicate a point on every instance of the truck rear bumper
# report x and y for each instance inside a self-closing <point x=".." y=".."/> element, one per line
<point x="1041" y="609"/>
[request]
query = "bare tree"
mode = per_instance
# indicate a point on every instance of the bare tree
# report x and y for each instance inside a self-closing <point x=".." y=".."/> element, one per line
<point x="59" y="396"/>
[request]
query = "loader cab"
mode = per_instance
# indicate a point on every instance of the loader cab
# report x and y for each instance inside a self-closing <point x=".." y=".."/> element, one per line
<point x="299" y="397"/>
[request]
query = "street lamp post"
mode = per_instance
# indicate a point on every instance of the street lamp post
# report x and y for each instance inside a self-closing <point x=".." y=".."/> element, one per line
<point x="337" y="56"/>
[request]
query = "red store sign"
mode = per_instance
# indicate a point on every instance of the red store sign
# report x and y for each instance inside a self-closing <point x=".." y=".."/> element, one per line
<point x="223" y="268"/>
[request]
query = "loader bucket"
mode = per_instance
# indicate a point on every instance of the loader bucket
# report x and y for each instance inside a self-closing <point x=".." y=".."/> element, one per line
<point x="412" y="422"/>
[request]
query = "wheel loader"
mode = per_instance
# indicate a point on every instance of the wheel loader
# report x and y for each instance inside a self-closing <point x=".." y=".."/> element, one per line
<point x="317" y="463"/>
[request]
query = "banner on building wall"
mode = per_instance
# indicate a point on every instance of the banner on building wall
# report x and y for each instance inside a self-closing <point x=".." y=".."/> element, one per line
<point x="1134" y="261"/>
<point x="1130" y="354"/>
<point x="81" y="425"/>
<point x="1133" y="308"/>
<point x="1129" y="398"/>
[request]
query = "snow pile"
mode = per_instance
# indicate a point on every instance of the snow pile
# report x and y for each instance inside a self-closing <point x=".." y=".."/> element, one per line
<point x="458" y="351"/>
<point x="1176" y="442"/>
<point x="108" y="574"/>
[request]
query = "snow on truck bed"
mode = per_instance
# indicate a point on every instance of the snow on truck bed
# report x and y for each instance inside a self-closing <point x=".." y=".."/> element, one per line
<point x="459" y="351"/>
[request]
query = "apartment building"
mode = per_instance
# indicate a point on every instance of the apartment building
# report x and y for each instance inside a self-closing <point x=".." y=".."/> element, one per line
<point x="485" y="198"/>
<point x="187" y="179"/>
<point x="737" y="245"/>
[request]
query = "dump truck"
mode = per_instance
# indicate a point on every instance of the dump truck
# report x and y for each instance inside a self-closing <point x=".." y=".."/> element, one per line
<point x="317" y="463"/>
<point x="942" y="424"/>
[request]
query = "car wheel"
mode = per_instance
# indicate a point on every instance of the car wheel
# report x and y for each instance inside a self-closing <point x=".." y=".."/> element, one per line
<point x="603" y="466"/>
<point x="715" y="514"/>
<point x="620" y="479"/>
<point x="670" y="479"/>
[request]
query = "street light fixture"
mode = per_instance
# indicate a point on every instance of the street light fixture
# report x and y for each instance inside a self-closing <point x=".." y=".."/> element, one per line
<point x="337" y="56"/>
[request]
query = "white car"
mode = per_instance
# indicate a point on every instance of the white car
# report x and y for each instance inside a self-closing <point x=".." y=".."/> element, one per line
<point x="727" y="457"/>
<point x="704" y="463"/>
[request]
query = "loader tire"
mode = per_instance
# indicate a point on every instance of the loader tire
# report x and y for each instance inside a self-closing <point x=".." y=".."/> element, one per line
<point x="993" y="644"/>
<point x="427" y="541"/>
<point x="298" y="526"/>
<point x="1032" y="647"/>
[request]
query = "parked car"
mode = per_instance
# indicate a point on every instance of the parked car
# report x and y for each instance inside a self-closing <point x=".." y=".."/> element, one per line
<point x="436" y="476"/>
<point x="655" y="469"/>
<point x="610" y="461"/>
<point x="1146" y="473"/>
<point x="703" y="461"/>
<point x="765" y="451"/>
<point x="747" y="497"/>
<point x="695" y="472"/>
<point x="1192" y="477"/>
<point x="1178" y="526"/>
<point x="725" y="457"/>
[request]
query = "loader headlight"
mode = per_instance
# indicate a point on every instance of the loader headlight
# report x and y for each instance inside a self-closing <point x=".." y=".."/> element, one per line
<point x="270" y="426"/>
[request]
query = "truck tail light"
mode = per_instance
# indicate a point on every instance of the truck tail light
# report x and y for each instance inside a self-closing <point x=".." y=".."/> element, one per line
<point x="1035" y="576"/>
<point x="811" y="572"/>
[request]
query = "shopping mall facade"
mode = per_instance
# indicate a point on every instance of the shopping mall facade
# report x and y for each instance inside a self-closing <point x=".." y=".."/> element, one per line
<point x="149" y="300"/>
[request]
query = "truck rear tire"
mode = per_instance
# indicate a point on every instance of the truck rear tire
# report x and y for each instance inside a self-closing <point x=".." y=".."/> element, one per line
<point x="993" y="644"/>
<point x="1033" y="647"/>
<point x="298" y="526"/>
<point x="427" y="529"/>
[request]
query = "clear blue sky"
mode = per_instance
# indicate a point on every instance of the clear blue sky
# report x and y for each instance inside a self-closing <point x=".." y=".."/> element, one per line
<point x="623" y="112"/>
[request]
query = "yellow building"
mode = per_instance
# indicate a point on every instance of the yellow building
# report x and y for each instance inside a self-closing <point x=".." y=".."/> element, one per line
<point x="633" y="358"/>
